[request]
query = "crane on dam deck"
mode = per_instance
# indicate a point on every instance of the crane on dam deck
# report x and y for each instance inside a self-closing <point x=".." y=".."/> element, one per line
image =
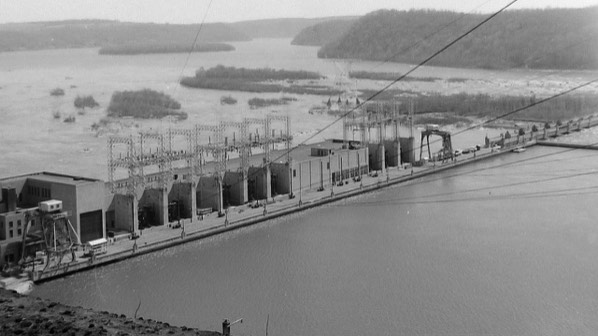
<point x="55" y="234"/>
<point x="447" y="148"/>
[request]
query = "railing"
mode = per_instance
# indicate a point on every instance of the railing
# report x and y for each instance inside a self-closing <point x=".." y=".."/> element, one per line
<point x="543" y="133"/>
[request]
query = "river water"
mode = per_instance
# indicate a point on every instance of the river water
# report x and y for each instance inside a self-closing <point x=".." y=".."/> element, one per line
<point x="506" y="246"/>
<point x="32" y="140"/>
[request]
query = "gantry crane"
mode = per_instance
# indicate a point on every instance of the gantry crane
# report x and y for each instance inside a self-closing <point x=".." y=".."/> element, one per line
<point x="58" y="237"/>
<point x="447" y="147"/>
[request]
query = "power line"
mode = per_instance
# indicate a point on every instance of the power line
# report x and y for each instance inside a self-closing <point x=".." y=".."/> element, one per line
<point x="425" y="38"/>
<point x="501" y="116"/>
<point x="485" y="198"/>
<point x="469" y="128"/>
<point x="540" y="194"/>
<point x="193" y="44"/>
<point x="394" y="200"/>
<point x="499" y="166"/>
<point x="441" y="50"/>
<point x="424" y="62"/>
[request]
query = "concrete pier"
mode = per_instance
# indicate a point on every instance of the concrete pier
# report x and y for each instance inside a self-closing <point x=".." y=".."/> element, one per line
<point x="209" y="193"/>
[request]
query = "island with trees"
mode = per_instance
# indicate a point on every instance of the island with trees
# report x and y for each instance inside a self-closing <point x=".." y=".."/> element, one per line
<point x="256" y="80"/>
<point x="112" y="35"/>
<point x="144" y="104"/>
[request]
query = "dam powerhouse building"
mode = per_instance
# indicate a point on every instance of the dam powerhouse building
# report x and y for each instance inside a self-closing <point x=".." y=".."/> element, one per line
<point x="181" y="175"/>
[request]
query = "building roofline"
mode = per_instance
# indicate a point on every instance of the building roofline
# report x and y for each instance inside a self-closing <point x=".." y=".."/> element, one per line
<point x="46" y="173"/>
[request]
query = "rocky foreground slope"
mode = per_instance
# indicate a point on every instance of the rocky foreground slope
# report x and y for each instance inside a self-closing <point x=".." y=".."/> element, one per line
<point x="24" y="315"/>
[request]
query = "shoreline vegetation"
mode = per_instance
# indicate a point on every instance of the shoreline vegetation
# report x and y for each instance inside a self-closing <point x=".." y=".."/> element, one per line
<point x="227" y="78"/>
<point x="106" y="33"/>
<point x="260" y="102"/>
<point x="164" y="48"/>
<point x="484" y="105"/>
<point x="144" y="104"/>
<point x="389" y="76"/>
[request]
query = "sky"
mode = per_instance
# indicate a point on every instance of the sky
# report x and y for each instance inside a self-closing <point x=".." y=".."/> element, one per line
<point x="194" y="11"/>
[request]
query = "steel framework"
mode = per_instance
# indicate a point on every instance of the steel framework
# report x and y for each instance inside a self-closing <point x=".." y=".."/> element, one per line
<point x="138" y="154"/>
<point x="375" y="115"/>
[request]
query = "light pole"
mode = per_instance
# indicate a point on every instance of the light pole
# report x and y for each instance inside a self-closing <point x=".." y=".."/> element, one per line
<point x="330" y="176"/>
<point x="300" y="185"/>
<point x="226" y="324"/>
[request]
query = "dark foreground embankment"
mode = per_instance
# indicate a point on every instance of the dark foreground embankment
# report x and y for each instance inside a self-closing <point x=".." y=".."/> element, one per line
<point x="24" y="315"/>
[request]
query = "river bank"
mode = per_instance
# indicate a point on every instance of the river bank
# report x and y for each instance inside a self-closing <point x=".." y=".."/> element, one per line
<point x="23" y="315"/>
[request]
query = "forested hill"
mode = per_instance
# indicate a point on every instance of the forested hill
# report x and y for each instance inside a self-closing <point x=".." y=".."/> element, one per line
<point x="544" y="39"/>
<point x="278" y="28"/>
<point x="100" y="33"/>
<point x="322" y="33"/>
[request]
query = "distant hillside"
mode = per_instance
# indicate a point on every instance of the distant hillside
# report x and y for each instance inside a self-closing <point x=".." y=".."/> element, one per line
<point x="277" y="28"/>
<point x="322" y="33"/>
<point x="544" y="39"/>
<point x="98" y="33"/>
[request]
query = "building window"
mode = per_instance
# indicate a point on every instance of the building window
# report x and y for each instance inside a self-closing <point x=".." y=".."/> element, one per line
<point x="19" y="232"/>
<point x="10" y="234"/>
<point x="18" y="223"/>
<point x="10" y="224"/>
<point x="294" y="172"/>
<point x="328" y="165"/>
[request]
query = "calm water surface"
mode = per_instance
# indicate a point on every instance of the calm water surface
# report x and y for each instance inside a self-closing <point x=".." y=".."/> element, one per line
<point x="507" y="246"/>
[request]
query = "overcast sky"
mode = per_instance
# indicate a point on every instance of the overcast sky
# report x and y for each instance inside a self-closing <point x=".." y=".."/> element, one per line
<point x="193" y="11"/>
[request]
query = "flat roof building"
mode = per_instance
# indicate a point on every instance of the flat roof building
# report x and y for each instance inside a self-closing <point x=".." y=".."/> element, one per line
<point x="82" y="198"/>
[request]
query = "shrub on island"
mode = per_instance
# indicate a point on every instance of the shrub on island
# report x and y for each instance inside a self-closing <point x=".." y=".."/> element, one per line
<point x="85" y="101"/>
<point x="227" y="100"/>
<point x="57" y="92"/>
<point x="260" y="102"/>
